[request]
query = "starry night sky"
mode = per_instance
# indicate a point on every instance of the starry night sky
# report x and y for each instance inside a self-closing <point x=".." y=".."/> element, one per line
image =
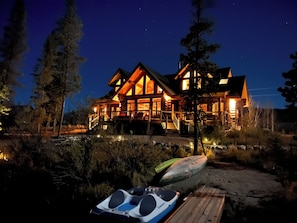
<point x="256" y="38"/>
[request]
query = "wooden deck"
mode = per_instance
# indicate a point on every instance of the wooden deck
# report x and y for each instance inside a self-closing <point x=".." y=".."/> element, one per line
<point x="204" y="205"/>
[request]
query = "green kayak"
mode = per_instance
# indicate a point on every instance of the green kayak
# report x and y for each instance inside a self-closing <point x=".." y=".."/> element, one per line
<point x="162" y="166"/>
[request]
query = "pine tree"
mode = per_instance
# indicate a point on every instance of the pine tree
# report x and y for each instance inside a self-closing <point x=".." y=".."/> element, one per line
<point x="43" y="96"/>
<point x="197" y="58"/>
<point x="4" y="93"/>
<point x="67" y="80"/>
<point x="289" y="92"/>
<point x="12" y="47"/>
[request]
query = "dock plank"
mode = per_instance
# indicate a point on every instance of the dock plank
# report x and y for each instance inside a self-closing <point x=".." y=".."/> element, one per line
<point x="203" y="205"/>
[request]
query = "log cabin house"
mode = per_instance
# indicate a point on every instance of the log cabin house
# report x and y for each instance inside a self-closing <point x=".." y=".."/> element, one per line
<point x="146" y="102"/>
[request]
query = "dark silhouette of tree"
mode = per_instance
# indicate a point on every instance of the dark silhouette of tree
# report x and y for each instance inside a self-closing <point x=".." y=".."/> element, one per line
<point x="4" y="92"/>
<point x="67" y="80"/>
<point x="56" y="74"/>
<point x="12" y="47"/>
<point x="201" y="69"/>
<point x="289" y="92"/>
<point x="44" y="98"/>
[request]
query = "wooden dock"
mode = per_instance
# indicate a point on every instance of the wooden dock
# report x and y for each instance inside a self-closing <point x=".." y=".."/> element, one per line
<point x="204" y="205"/>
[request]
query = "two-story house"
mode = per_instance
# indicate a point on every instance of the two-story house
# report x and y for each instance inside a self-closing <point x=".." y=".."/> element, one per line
<point x="147" y="97"/>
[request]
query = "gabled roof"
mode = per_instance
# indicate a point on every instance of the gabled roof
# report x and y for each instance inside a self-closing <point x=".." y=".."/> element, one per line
<point x="161" y="80"/>
<point x="120" y="73"/>
<point x="170" y="83"/>
<point x="223" y="73"/>
<point x="181" y="72"/>
<point x="174" y="84"/>
<point x="235" y="86"/>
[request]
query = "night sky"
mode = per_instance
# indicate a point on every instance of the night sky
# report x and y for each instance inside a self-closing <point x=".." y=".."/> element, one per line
<point x="256" y="38"/>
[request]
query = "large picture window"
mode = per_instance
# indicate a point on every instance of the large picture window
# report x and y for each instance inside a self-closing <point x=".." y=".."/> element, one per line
<point x="149" y="86"/>
<point x="143" y="104"/>
<point x="131" y="107"/>
<point x="139" y="87"/>
<point x="156" y="110"/>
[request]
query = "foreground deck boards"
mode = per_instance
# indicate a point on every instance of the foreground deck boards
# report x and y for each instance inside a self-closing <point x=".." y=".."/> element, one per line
<point x="204" y="205"/>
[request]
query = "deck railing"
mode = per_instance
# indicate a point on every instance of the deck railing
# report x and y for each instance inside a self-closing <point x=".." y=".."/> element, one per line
<point x="148" y="115"/>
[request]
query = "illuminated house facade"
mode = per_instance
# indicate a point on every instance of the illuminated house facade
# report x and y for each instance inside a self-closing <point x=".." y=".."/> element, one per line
<point x="145" y="96"/>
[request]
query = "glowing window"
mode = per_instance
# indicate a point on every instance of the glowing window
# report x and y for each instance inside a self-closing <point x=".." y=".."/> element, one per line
<point x="159" y="89"/>
<point x="129" y="92"/>
<point x="156" y="106"/>
<point x="149" y="86"/>
<point x="130" y="107"/>
<point x="232" y="108"/>
<point x="187" y="75"/>
<point x="143" y="104"/>
<point x="186" y="84"/>
<point x="223" y="81"/>
<point x="139" y="87"/>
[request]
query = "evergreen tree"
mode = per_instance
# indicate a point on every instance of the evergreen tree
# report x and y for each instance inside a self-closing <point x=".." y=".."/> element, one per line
<point x="4" y="92"/>
<point x="43" y="95"/>
<point x="66" y="79"/>
<point x="289" y="92"/>
<point x="12" y="47"/>
<point x="198" y="52"/>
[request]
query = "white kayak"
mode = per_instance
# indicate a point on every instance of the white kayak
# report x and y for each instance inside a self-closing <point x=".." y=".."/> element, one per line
<point x="183" y="168"/>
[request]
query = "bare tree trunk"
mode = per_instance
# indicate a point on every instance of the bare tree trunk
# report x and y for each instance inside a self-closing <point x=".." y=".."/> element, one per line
<point x="61" y="118"/>
<point x="38" y="127"/>
<point x="54" y="125"/>
<point x="272" y="120"/>
<point x="195" y="125"/>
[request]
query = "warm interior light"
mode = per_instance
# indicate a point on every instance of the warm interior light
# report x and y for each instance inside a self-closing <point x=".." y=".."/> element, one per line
<point x="166" y="97"/>
<point x="116" y="98"/>
<point x="3" y="156"/>
<point x="232" y="108"/>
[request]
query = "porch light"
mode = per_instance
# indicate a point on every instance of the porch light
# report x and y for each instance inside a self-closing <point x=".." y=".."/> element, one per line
<point x="3" y="156"/>
<point x="95" y="109"/>
<point x="191" y="145"/>
<point x="166" y="97"/>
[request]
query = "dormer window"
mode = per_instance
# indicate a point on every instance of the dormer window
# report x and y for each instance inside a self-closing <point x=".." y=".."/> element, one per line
<point x="196" y="80"/>
<point x="186" y="81"/>
<point x="223" y="81"/>
<point x="118" y="85"/>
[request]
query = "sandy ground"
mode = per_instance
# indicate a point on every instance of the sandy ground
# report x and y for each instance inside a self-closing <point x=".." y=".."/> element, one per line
<point x="251" y="195"/>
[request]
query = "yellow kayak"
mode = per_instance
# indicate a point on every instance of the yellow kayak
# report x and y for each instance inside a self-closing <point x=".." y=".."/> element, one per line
<point x="164" y="165"/>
